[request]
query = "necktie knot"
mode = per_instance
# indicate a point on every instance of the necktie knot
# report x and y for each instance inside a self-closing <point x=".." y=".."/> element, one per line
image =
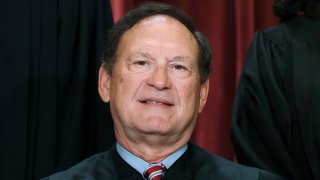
<point x="154" y="172"/>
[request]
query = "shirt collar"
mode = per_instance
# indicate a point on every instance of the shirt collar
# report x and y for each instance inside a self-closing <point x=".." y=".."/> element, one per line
<point x="140" y="165"/>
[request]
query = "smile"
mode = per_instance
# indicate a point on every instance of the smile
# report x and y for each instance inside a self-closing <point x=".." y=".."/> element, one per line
<point x="153" y="102"/>
<point x="160" y="102"/>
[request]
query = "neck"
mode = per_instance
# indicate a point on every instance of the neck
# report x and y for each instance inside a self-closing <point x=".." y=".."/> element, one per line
<point x="152" y="149"/>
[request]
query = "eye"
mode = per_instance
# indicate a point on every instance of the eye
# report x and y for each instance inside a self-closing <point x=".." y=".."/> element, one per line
<point x="179" y="67"/>
<point x="139" y="66"/>
<point x="180" y="70"/>
<point x="141" y="63"/>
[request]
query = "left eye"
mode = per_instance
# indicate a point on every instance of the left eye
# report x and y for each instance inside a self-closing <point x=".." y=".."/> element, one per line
<point x="180" y="71"/>
<point x="179" y="67"/>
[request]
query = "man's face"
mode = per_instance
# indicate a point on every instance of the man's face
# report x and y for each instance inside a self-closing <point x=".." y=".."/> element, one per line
<point x="155" y="85"/>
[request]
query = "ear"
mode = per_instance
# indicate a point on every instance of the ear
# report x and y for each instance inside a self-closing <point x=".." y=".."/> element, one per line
<point x="204" y="91"/>
<point x="104" y="84"/>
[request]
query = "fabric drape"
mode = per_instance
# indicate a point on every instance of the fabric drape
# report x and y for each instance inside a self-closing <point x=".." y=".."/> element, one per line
<point x="51" y="115"/>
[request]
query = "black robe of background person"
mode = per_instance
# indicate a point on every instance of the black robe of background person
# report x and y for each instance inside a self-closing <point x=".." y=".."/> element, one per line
<point x="51" y="116"/>
<point x="276" y="120"/>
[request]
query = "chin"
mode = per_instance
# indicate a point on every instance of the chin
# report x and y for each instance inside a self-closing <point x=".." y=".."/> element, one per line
<point x="155" y="130"/>
<point x="154" y="124"/>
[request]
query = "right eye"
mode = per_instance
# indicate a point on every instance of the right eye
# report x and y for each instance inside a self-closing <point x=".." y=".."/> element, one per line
<point x="141" y="63"/>
<point x="139" y="66"/>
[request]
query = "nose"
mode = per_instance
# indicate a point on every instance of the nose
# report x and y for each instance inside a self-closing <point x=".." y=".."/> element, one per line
<point x="159" y="78"/>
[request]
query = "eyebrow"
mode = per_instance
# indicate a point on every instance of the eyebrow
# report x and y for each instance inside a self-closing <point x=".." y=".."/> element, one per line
<point x="142" y="54"/>
<point x="149" y="56"/>
<point x="180" y="58"/>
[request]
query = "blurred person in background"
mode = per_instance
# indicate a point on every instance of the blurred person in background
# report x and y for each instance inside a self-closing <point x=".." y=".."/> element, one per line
<point x="276" y="116"/>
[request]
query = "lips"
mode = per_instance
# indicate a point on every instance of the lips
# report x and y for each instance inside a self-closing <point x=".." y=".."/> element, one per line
<point x="158" y="101"/>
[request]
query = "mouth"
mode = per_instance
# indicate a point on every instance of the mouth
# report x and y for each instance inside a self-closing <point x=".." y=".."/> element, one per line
<point x="156" y="102"/>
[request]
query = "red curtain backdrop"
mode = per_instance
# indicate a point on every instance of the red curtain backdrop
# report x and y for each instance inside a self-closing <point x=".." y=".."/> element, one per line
<point x="229" y="25"/>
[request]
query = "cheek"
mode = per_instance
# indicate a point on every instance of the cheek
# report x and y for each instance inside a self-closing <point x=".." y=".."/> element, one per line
<point x="125" y="86"/>
<point x="189" y="94"/>
<point x="120" y="79"/>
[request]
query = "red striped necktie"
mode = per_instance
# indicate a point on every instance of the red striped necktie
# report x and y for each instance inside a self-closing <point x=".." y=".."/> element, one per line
<point x="154" y="172"/>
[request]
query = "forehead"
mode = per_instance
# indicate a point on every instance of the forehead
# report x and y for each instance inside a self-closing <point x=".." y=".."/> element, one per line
<point x="160" y="20"/>
<point x="161" y="30"/>
<point x="163" y="23"/>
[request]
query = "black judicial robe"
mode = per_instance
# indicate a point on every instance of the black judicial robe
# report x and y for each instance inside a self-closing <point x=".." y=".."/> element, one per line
<point x="195" y="163"/>
<point x="276" y="116"/>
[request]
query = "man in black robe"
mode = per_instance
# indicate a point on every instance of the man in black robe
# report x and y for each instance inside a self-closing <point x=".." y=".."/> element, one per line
<point x="155" y="76"/>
